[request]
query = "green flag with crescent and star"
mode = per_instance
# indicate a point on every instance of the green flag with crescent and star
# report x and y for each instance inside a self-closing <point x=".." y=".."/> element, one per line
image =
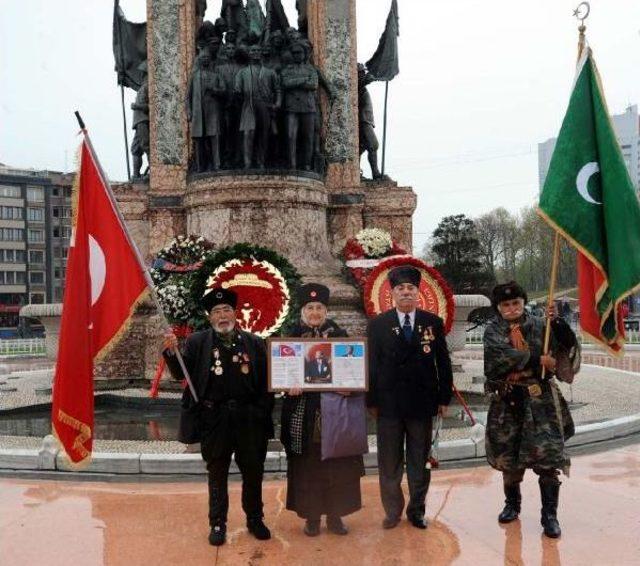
<point x="590" y="199"/>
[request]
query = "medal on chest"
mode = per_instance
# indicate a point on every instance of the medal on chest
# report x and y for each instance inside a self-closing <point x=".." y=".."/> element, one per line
<point x="427" y="337"/>
<point x="217" y="364"/>
<point x="244" y="366"/>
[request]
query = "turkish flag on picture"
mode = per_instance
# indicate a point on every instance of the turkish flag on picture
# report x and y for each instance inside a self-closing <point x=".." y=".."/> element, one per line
<point x="286" y="351"/>
<point x="104" y="282"/>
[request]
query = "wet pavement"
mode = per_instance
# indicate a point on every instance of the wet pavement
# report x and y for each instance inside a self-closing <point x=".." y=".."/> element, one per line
<point x="89" y="523"/>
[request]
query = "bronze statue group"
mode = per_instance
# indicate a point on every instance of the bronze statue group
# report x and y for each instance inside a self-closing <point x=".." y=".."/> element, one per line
<point x="410" y="382"/>
<point x="253" y="100"/>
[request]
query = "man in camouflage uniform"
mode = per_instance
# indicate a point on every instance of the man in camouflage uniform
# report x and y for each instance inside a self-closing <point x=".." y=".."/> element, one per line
<point x="528" y="421"/>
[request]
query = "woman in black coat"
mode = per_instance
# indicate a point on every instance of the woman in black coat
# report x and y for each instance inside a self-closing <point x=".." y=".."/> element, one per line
<point x="316" y="487"/>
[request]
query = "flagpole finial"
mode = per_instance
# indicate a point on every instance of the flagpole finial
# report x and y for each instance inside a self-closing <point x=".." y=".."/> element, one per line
<point x="581" y="13"/>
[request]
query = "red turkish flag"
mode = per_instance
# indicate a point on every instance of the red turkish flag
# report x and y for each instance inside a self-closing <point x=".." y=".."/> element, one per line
<point x="286" y="351"/>
<point x="104" y="282"/>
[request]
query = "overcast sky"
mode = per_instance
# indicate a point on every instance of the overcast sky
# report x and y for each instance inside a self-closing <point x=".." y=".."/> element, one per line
<point x="481" y="83"/>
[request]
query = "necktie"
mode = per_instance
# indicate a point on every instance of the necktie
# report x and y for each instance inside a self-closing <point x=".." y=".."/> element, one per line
<point x="406" y="328"/>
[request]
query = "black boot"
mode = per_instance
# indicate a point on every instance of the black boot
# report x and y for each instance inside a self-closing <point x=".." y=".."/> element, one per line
<point x="312" y="527"/>
<point x="549" y="493"/>
<point x="258" y="529"/>
<point x="218" y="534"/>
<point x="336" y="526"/>
<point x="511" y="503"/>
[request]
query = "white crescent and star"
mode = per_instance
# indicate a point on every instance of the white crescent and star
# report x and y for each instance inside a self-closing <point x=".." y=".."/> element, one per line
<point x="582" y="181"/>
<point x="97" y="269"/>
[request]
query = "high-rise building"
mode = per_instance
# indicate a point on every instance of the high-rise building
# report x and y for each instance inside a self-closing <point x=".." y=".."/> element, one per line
<point x="35" y="227"/>
<point x="627" y="128"/>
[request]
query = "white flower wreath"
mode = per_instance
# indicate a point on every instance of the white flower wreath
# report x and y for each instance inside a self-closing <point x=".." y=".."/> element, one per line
<point x="374" y="241"/>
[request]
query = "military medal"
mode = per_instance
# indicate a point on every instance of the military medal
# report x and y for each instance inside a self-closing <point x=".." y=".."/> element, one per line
<point x="426" y="348"/>
<point x="217" y="365"/>
<point x="535" y="390"/>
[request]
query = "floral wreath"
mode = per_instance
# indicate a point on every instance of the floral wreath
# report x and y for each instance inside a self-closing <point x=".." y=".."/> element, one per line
<point x="364" y="251"/>
<point x="175" y="273"/>
<point x="435" y="294"/>
<point x="264" y="280"/>
<point x="255" y="278"/>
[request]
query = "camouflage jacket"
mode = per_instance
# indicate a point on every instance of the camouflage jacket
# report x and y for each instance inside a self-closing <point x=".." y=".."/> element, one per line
<point x="526" y="426"/>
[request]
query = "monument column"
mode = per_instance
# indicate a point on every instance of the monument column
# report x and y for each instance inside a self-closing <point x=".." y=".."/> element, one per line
<point x="171" y="31"/>
<point x="332" y="32"/>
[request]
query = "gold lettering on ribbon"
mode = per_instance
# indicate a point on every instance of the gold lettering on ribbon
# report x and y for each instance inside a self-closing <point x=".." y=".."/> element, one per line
<point x="84" y="432"/>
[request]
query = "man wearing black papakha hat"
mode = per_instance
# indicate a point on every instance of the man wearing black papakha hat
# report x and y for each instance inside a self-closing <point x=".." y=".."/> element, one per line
<point x="528" y="420"/>
<point x="410" y="382"/>
<point x="228" y="368"/>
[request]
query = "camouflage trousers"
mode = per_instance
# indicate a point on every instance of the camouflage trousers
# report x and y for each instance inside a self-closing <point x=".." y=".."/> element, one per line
<point x="527" y="433"/>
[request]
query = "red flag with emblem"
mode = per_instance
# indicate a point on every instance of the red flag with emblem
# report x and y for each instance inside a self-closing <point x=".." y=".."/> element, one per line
<point x="104" y="282"/>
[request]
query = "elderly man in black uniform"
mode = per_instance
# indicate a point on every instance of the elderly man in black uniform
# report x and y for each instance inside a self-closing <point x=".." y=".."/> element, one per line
<point x="410" y="381"/>
<point x="233" y="414"/>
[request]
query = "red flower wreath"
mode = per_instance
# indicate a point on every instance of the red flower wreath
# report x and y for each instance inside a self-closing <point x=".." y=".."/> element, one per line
<point x="435" y="294"/>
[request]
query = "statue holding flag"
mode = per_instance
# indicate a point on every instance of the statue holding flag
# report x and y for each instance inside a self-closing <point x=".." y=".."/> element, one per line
<point x="383" y="66"/>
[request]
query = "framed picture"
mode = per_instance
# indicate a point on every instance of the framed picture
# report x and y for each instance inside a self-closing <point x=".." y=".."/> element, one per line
<point x="318" y="364"/>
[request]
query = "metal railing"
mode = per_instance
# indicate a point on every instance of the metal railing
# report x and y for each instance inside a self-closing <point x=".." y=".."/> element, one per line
<point x="22" y="347"/>
<point x="475" y="336"/>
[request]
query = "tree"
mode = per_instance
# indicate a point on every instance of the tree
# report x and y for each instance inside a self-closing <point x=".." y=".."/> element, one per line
<point x="457" y="254"/>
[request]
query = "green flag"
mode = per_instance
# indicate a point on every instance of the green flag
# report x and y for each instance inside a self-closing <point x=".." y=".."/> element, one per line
<point x="590" y="199"/>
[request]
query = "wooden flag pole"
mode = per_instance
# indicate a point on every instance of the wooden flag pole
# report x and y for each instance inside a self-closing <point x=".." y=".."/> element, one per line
<point x="552" y="292"/>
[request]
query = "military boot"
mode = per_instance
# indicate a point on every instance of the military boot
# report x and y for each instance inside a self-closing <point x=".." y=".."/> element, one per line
<point x="512" y="502"/>
<point x="549" y="493"/>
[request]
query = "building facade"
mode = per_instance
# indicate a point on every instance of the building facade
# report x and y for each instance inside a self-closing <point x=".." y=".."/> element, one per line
<point x="35" y="228"/>
<point x="627" y="128"/>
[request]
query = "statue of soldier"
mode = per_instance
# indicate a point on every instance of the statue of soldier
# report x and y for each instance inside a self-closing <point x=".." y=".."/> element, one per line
<point x="233" y="12"/>
<point x="203" y="111"/>
<point x="140" y="108"/>
<point x="259" y="88"/>
<point x="228" y="69"/>
<point x="300" y="86"/>
<point x="368" y="140"/>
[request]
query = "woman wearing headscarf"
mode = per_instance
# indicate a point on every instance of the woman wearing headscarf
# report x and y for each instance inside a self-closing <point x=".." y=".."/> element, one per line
<point x="528" y="420"/>
<point x="317" y="487"/>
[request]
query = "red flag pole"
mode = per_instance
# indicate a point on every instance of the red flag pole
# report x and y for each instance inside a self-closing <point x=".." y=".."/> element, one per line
<point x="134" y="247"/>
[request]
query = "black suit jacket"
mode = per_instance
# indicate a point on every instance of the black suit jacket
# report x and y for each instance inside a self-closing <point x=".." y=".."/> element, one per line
<point x="198" y="359"/>
<point x="408" y="379"/>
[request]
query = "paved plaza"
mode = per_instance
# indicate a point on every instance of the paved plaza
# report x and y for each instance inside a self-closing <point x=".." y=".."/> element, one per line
<point x="138" y="524"/>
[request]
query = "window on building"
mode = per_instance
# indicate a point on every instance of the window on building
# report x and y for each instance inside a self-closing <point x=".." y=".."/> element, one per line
<point x="35" y="194"/>
<point x="36" y="256"/>
<point x="56" y="191"/>
<point x="65" y="251"/>
<point x="9" y="277"/>
<point x="21" y="277"/>
<point x="56" y="212"/>
<point x="35" y="214"/>
<point x="20" y="256"/>
<point x="37" y="298"/>
<point x="56" y="232"/>
<point x="57" y="294"/>
<point x="36" y="277"/>
<point x="11" y="213"/>
<point x="12" y="234"/>
<point x="36" y="235"/>
<point x="11" y="191"/>
<point x="67" y="192"/>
